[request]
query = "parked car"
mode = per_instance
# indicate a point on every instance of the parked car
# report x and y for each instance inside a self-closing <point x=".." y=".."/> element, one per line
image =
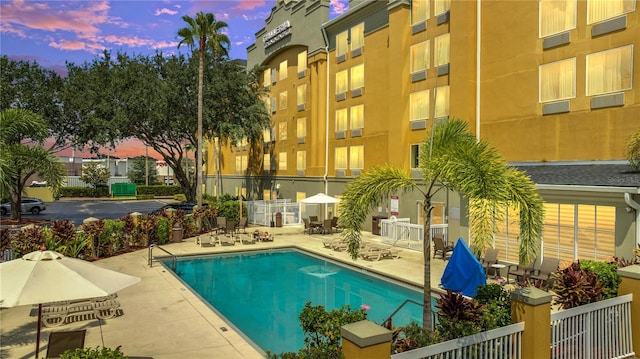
<point x="28" y="204"/>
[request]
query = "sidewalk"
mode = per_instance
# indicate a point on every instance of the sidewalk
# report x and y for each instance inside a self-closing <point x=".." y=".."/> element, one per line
<point x="161" y="319"/>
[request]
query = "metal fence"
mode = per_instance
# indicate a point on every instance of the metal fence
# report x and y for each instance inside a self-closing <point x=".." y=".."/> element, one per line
<point x="500" y="343"/>
<point x="263" y="213"/>
<point x="600" y="330"/>
<point x="400" y="232"/>
<point x="75" y="181"/>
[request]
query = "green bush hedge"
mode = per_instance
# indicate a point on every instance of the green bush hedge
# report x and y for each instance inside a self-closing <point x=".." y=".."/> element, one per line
<point x="159" y="190"/>
<point x="84" y="192"/>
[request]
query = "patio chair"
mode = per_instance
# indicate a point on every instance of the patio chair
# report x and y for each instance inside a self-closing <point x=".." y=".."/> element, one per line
<point x="221" y="224"/>
<point x="307" y="226"/>
<point x="242" y="225"/>
<point x="438" y="240"/>
<point x="313" y="218"/>
<point x="59" y="342"/>
<point x="490" y="257"/>
<point x="547" y="267"/>
<point x="334" y="224"/>
<point x="230" y="228"/>
<point x="520" y="272"/>
<point x="326" y="227"/>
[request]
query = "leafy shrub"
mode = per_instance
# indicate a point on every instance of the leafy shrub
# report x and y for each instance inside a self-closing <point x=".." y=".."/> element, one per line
<point x="93" y="231"/>
<point x="79" y="247"/>
<point x="180" y="197"/>
<point x="607" y="273"/>
<point x="159" y="190"/>
<point x="111" y="240"/>
<point x="458" y="316"/>
<point x="84" y="192"/>
<point x="497" y="310"/>
<point x="413" y="336"/>
<point x="322" y="331"/>
<point x="574" y="287"/>
<point x="5" y="239"/>
<point x="97" y="353"/>
<point x="63" y="231"/>
<point x="163" y="229"/>
<point x="28" y="239"/>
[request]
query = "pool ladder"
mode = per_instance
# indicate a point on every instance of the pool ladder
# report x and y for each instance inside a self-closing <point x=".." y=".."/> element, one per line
<point x="388" y="322"/>
<point x="173" y="256"/>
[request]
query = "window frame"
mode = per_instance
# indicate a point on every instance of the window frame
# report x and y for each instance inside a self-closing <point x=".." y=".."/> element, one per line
<point x="426" y="44"/>
<point x="570" y="27"/>
<point x="609" y="16"/>
<point x="282" y="100"/>
<point x="541" y="75"/>
<point x="342" y="40"/>
<point x="283" y="70"/>
<point x="346" y="81"/>
<point x="360" y="165"/>
<point x="588" y="72"/>
<point x="360" y="120"/>
<point x="424" y="95"/>
<point x="341" y="120"/>
<point x="427" y="14"/>
<point x="336" y="156"/>
<point x="359" y="30"/>
<point x="352" y="70"/>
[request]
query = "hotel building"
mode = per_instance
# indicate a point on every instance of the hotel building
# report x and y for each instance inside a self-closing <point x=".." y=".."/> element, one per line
<point x="552" y="85"/>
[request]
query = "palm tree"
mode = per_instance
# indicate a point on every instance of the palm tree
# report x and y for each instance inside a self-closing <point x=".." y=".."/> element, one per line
<point x="203" y="33"/>
<point x="454" y="158"/>
<point x="19" y="159"/>
<point x="632" y="150"/>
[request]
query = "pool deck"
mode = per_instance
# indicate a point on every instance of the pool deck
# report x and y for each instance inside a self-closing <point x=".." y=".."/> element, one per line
<point x="160" y="319"/>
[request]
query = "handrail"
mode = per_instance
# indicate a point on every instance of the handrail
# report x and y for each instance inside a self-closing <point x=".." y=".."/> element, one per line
<point x="153" y="245"/>
<point x="387" y="322"/>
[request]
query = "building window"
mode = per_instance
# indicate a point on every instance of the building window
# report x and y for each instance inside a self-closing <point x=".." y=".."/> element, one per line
<point x="419" y="105"/>
<point x="342" y="82"/>
<point x="415" y="156"/>
<point x="357" y="117"/>
<point x="302" y="62"/>
<point x="441" y="49"/>
<point x="420" y="57"/>
<point x="556" y="16"/>
<point x="357" y="36"/>
<point x="267" y="77"/>
<point x="441" y="6"/>
<point x="301" y="160"/>
<point x="356" y="157"/>
<point x="419" y="11"/>
<point x="342" y="44"/>
<point x="609" y="71"/>
<point x="282" y="130"/>
<point x="238" y="164"/>
<point x="301" y="98"/>
<point x="557" y="80"/>
<point x="442" y="102"/>
<point x="266" y="135"/>
<point x="341" y="120"/>
<point x="273" y="76"/>
<point x="266" y="162"/>
<point x="600" y="10"/>
<point x="282" y="161"/>
<point x="283" y="70"/>
<point x="282" y="100"/>
<point x="340" y="158"/>
<point x="357" y="77"/>
<point x="301" y="127"/>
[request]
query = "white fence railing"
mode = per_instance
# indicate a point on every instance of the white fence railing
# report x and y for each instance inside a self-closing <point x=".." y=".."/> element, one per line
<point x="600" y="330"/>
<point x="75" y="181"/>
<point x="261" y="213"/>
<point x="502" y="342"/>
<point x="399" y="232"/>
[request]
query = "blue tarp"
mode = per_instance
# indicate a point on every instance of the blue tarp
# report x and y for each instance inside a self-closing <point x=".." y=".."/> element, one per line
<point x="464" y="273"/>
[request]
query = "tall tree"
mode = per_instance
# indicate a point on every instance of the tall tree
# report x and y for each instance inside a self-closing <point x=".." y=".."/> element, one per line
<point x="453" y="158"/>
<point x="632" y="150"/>
<point x="23" y="156"/>
<point x="203" y="32"/>
<point x="143" y="171"/>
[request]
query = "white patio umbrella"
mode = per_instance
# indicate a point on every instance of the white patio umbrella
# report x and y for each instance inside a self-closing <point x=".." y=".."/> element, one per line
<point x="47" y="276"/>
<point x="320" y="198"/>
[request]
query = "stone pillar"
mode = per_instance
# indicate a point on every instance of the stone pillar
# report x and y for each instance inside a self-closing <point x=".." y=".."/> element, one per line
<point x="365" y="340"/>
<point x="533" y="306"/>
<point x="631" y="285"/>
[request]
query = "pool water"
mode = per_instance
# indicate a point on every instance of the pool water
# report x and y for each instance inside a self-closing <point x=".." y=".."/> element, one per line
<point x="263" y="292"/>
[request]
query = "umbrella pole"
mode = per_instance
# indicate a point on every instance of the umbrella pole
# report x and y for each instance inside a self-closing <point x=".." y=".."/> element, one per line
<point x="38" y="335"/>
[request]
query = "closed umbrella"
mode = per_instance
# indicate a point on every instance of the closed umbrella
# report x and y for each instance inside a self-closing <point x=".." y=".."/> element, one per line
<point x="47" y="276"/>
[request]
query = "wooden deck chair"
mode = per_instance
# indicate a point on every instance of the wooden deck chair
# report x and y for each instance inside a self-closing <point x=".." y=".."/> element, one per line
<point x="59" y="342"/>
<point x="326" y="227"/>
<point x="547" y="267"/>
<point x="334" y="224"/>
<point x="438" y="242"/>
<point x="490" y="257"/>
<point x="242" y="224"/>
<point x="307" y="226"/>
<point x="520" y="272"/>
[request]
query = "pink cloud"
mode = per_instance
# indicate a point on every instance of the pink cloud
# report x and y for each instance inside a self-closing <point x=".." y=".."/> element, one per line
<point x="339" y="6"/>
<point x="41" y="16"/>
<point x="249" y="5"/>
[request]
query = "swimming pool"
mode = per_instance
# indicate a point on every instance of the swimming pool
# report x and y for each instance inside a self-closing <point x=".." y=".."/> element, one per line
<point x="262" y="292"/>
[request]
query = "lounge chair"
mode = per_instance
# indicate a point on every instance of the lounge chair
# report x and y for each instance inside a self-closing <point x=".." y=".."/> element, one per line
<point x="206" y="238"/>
<point x="490" y="257"/>
<point x="339" y="244"/>
<point x="221" y="224"/>
<point x="438" y="241"/>
<point x="58" y="313"/>
<point x="307" y="226"/>
<point x="60" y="342"/>
<point x="247" y="239"/>
<point x="230" y="228"/>
<point x="547" y="267"/>
<point x="520" y="272"/>
<point x="371" y="252"/>
<point x="226" y="240"/>
<point x="242" y="225"/>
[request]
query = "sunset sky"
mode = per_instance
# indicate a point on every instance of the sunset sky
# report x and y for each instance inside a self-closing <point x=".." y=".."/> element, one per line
<point x="52" y="33"/>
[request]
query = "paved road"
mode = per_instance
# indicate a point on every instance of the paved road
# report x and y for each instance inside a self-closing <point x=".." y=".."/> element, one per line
<point x="77" y="210"/>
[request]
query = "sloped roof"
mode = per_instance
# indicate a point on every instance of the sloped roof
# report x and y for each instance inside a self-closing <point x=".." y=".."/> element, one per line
<point x="609" y="175"/>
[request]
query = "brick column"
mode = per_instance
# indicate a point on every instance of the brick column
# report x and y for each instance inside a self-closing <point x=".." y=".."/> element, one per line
<point x="631" y="285"/>
<point x="365" y="340"/>
<point x="533" y="306"/>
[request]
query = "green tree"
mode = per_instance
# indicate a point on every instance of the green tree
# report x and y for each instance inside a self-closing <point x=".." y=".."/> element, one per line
<point x="140" y="167"/>
<point x="202" y="32"/>
<point x="632" y="150"/>
<point x="95" y="174"/>
<point x="452" y="157"/>
<point x="22" y="156"/>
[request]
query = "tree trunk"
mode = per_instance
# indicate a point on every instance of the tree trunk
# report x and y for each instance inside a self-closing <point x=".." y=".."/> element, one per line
<point x="199" y="153"/>
<point x="427" y="316"/>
